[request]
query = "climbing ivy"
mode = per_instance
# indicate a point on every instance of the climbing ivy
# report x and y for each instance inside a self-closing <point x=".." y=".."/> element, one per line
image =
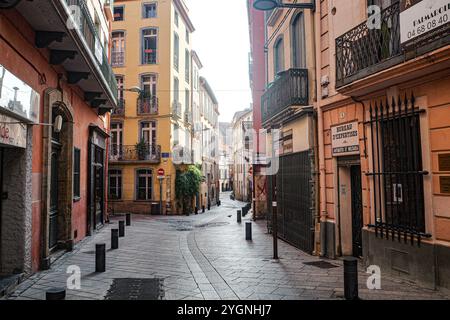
<point x="187" y="184"/>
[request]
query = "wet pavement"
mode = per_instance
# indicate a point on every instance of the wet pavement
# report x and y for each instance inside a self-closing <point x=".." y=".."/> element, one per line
<point x="206" y="256"/>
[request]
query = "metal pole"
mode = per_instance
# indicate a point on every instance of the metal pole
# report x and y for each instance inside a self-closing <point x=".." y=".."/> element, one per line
<point x="351" y="278"/>
<point x="122" y="229"/>
<point x="128" y="219"/>
<point x="160" y="196"/>
<point x="239" y="216"/>
<point x="100" y="257"/>
<point x="248" y="231"/>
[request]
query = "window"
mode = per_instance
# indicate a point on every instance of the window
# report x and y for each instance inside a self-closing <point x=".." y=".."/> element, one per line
<point x="149" y="10"/>
<point x="118" y="49"/>
<point x="187" y="70"/>
<point x="119" y="12"/>
<point x="144" y="184"/>
<point x="116" y="139"/>
<point x="278" y="56"/>
<point x="176" y="134"/>
<point x="120" y="86"/>
<point x="176" y="89"/>
<point x="149" y="45"/>
<point x="115" y="184"/>
<point x="148" y="84"/>
<point x="298" y="42"/>
<point x="76" y="173"/>
<point x="176" y="18"/>
<point x="287" y="142"/>
<point x="148" y="132"/>
<point x="187" y="101"/>
<point x="176" y="51"/>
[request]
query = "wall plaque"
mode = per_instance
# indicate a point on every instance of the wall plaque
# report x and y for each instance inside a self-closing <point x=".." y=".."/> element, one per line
<point x="444" y="162"/>
<point x="345" y="139"/>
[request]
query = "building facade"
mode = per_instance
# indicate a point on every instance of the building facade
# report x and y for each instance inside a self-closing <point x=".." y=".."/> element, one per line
<point x="56" y="91"/>
<point x="152" y="130"/>
<point x="258" y="76"/>
<point x="225" y="159"/>
<point x="242" y="155"/>
<point x="384" y="127"/>
<point x="209" y="132"/>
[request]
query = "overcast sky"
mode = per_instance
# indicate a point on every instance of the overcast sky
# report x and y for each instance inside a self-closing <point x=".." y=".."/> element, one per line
<point x="222" y="42"/>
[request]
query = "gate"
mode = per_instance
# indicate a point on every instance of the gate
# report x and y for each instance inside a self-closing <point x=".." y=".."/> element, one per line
<point x="294" y="183"/>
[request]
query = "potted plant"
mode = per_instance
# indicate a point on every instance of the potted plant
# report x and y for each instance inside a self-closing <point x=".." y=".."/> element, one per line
<point x="142" y="149"/>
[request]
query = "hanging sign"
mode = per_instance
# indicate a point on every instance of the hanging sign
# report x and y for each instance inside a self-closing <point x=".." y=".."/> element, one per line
<point x="345" y="139"/>
<point x="419" y="17"/>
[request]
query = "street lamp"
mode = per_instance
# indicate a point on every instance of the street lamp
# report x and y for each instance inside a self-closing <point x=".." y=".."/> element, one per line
<point x="267" y="5"/>
<point x="132" y="89"/>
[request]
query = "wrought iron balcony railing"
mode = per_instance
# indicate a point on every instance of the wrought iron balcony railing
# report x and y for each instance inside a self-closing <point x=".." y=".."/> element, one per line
<point x="88" y="30"/>
<point x="148" y="105"/>
<point x="176" y="109"/>
<point x="188" y="117"/>
<point x="120" y="110"/>
<point x="363" y="51"/>
<point x="147" y="153"/>
<point x="289" y="89"/>
<point x="118" y="58"/>
<point x="149" y="56"/>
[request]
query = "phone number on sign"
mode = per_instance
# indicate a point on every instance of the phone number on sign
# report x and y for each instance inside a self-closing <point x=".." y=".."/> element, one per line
<point x="430" y="25"/>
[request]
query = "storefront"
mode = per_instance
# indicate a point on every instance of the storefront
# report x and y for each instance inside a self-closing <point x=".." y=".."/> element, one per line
<point x="19" y="109"/>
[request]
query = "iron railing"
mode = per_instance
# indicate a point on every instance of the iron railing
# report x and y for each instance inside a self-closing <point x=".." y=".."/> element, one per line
<point x="89" y="33"/>
<point x="397" y="170"/>
<point x="118" y="58"/>
<point x="148" y="105"/>
<point x="120" y="109"/>
<point x="149" y="56"/>
<point x="289" y="89"/>
<point x="176" y="109"/>
<point x="363" y="50"/>
<point x="148" y="153"/>
<point x="188" y="117"/>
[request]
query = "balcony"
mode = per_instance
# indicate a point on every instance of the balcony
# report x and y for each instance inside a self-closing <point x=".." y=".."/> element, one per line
<point x="176" y="109"/>
<point x="364" y="51"/>
<point x="118" y="59"/>
<point x="132" y="154"/>
<point x="149" y="56"/>
<point x="147" y="105"/>
<point x="188" y="117"/>
<point x="289" y="89"/>
<point x="74" y="44"/>
<point x="119" y="111"/>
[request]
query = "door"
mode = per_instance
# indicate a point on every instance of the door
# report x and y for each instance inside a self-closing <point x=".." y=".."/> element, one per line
<point x="53" y="219"/>
<point x="98" y="201"/>
<point x="357" y="210"/>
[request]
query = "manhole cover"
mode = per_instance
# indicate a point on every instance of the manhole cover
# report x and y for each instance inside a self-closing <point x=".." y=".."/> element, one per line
<point x="135" y="289"/>
<point x="321" y="264"/>
<point x="212" y="225"/>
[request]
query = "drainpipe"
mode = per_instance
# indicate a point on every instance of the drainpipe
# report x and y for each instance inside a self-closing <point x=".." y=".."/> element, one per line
<point x="322" y="183"/>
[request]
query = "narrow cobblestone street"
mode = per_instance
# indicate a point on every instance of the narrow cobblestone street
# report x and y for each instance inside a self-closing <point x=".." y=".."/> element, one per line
<point x="206" y="257"/>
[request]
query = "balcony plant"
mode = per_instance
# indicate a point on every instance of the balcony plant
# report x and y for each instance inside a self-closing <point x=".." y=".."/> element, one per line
<point x="142" y="149"/>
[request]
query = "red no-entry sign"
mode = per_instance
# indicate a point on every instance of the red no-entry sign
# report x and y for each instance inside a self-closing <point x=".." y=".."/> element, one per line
<point x="161" y="172"/>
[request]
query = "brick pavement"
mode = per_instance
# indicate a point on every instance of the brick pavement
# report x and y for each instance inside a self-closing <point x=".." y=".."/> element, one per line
<point x="206" y="257"/>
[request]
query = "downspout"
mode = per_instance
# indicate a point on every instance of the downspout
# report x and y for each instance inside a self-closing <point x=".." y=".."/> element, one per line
<point x="322" y="172"/>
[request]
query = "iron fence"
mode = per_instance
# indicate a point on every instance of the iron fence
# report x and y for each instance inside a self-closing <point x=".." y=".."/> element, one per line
<point x="148" y="105"/>
<point x="397" y="170"/>
<point x="148" y="152"/>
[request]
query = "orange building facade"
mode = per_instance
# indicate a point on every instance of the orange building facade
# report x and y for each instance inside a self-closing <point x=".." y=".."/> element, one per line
<point x="53" y="152"/>
<point x="384" y="127"/>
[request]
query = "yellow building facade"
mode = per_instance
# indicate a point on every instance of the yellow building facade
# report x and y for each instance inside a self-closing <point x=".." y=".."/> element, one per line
<point x="151" y="56"/>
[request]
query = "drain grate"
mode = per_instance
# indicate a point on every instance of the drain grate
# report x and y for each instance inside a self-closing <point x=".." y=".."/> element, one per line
<point x="135" y="289"/>
<point x="321" y="264"/>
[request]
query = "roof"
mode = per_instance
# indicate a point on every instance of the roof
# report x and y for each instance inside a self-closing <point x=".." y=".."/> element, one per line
<point x="240" y="114"/>
<point x="197" y="59"/>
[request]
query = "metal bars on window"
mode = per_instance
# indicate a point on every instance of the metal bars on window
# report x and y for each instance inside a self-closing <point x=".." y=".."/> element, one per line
<point x="397" y="170"/>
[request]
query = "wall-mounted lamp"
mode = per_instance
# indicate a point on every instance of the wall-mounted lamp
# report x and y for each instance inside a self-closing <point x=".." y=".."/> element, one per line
<point x="267" y="5"/>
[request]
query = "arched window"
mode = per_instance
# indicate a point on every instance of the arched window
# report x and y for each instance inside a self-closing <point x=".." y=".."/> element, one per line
<point x="278" y="56"/>
<point x="298" y="41"/>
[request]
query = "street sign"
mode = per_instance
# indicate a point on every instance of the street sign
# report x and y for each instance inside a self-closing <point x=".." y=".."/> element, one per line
<point x="161" y="173"/>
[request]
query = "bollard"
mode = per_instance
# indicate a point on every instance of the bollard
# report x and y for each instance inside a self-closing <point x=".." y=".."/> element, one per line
<point x="239" y="216"/>
<point x="203" y="209"/>
<point x="248" y="231"/>
<point x="244" y="211"/>
<point x="209" y="207"/>
<point x="55" y="294"/>
<point x="100" y="257"/>
<point x="114" y="239"/>
<point x="196" y="210"/>
<point x="351" y="278"/>
<point x="128" y="219"/>
<point x="121" y="229"/>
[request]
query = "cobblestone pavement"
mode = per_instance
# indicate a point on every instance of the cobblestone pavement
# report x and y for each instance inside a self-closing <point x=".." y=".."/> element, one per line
<point x="206" y="257"/>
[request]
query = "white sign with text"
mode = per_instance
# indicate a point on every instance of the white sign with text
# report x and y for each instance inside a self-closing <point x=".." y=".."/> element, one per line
<point x="345" y="139"/>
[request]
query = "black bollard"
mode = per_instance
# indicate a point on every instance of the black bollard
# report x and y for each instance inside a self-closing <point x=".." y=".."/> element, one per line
<point x="55" y="294"/>
<point x="100" y="257"/>
<point x="114" y="239"/>
<point x="239" y="216"/>
<point x="209" y="207"/>
<point x="128" y="219"/>
<point x="196" y="210"/>
<point x="121" y="229"/>
<point x="248" y="231"/>
<point x="203" y="209"/>
<point x="351" y="278"/>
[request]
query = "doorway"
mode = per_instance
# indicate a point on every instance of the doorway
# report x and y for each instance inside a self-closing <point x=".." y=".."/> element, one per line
<point x="54" y="198"/>
<point x="350" y="207"/>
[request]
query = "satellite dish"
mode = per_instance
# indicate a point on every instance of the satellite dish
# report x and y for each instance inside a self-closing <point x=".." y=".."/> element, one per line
<point x="57" y="125"/>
